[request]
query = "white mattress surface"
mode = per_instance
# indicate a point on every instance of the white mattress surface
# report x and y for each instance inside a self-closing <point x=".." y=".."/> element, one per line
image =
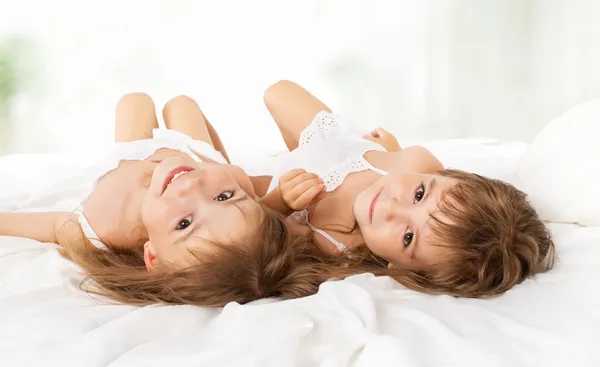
<point x="550" y="320"/>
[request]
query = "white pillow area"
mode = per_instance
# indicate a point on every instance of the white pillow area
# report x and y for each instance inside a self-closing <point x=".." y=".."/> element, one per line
<point x="561" y="170"/>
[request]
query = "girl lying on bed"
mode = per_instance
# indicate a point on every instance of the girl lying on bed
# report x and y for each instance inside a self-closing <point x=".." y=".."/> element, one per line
<point x="148" y="234"/>
<point x="437" y="230"/>
<point x="206" y="239"/>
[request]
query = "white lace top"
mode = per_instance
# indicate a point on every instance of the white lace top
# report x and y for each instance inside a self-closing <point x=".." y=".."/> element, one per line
<point x="141" y="150"/>
<point x="332" y="148"/>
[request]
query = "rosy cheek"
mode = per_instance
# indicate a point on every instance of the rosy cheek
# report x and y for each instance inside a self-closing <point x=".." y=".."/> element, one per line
<point x="152" y="219"/>
<point x="377" y="245"/>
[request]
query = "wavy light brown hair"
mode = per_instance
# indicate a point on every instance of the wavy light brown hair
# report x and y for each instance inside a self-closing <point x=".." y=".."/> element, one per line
<point x="494" y="238"/>
<point x="273" y="263"/>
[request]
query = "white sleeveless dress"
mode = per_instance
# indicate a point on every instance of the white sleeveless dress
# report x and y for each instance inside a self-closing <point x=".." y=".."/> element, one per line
<point x="331" y="148"/>
<point x="137" y="151"/>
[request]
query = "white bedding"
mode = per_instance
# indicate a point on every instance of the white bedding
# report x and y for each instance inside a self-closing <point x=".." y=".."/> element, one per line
<point x="551" y="320"/>
<point x="562" y="168"/>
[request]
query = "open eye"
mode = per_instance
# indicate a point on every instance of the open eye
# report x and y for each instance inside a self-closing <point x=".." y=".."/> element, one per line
<point x="408" y="238"/>
<point x="184" y="223"/>
<point x="224" y="196"/>
<point x="419" y="194"/>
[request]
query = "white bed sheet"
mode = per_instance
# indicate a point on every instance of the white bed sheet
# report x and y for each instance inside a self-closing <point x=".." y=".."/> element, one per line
<point x="551" y="320"/>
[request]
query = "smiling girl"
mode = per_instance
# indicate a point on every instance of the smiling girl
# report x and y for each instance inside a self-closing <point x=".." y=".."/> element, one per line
<point x="169" y="220"/>
<point x="361" y="195"/>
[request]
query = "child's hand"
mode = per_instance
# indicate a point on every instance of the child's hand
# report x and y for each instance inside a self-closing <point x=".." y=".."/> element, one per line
<point x="299" y="188"/>
<point x="384" y="138"/>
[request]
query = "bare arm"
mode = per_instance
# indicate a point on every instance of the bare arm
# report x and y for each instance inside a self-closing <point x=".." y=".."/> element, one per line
<point x="47" y="227"/>
<point x="274" y="200"/>
<point x="261" y="184"/>
<point x="420" y="159"/>
<point x="385" y="139"/>
<point x="293" y="108"/>
<point x="296" y="191"/>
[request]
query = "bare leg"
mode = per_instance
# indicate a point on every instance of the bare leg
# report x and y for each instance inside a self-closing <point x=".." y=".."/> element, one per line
<point x="135" y="117"/>
<point x="215" y="139"/>
<point x="293" y="108"/>
<point x="184" y="115"/>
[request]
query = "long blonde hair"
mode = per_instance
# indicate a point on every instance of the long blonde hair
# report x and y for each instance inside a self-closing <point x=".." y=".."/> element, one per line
<point x="494" y="236"/>
<point x="273" y="263"/>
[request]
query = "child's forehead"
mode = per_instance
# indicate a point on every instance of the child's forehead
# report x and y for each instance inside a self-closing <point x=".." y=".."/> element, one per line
<point x="443" y="186"/>
<point x="444" y="199"/>
<point x="241" y="225"/>
<point x="445" y="182"/>
<point x="444" y="215"/>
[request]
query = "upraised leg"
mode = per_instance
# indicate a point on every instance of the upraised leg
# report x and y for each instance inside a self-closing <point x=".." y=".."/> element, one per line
<point x="183" y="114"/>
<point x="135" y="117"/>
<point x="293" y="108"/>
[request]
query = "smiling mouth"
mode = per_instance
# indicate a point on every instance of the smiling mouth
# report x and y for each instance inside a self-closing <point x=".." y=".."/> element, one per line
<point x="372" y="207"/>
<point x="174" y="175"/>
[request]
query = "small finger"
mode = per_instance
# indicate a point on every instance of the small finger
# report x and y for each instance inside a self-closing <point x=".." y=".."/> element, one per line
<point x="308" y="196"/>
<point x="304" y="186"/>
<point x="302" y="178"/>
<point x="370" y="138"/>
<point x="289" y="175"/>
<point x="380" y="131"/>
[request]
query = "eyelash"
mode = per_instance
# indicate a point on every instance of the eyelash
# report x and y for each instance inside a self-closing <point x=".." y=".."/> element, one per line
<point x="409" y="235"/>
<point x="188" y="219"/>
<point x="420" y="190"/>
<point x="230" y="192"/>
<point x="181" y="227"/>
<point x="410" y="239"/>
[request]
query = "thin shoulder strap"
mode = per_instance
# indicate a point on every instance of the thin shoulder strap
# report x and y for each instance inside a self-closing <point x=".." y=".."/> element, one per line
<point x="340" y="246"/>
<point x="372" y="167"/>
<point x="304" y="216"/>
<point x="376" y="170"/>
<point x="88" y="231"/>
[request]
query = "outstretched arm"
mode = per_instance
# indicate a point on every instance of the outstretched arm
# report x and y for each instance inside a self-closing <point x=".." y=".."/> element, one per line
<point x="47" y="227"/>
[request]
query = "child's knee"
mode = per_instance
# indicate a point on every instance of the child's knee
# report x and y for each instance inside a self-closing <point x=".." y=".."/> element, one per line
<point x="275" y="89"/>
<point x="135" y="99"/>
<point x="181" y="101"/>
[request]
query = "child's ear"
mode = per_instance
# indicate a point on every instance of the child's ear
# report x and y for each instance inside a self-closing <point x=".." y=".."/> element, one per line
<point x="391" y="266"/>
<point x="149" y="255"/>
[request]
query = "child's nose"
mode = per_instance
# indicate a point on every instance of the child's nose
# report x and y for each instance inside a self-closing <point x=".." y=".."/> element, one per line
<point x="193" y="184"/>
<point x="397" y="210"/>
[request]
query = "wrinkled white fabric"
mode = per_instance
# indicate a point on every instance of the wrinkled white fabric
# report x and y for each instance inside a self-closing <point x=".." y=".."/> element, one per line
<point x="551" y="320"/>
